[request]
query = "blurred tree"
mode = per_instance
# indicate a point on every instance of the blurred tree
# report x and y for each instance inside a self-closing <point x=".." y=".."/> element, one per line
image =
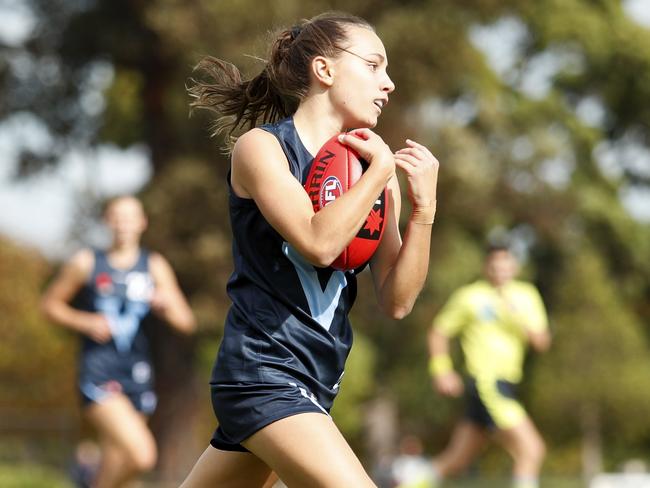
<point x="38" y="403"/>
<point x="593" y="382"/>
<point x="30" y="346"/>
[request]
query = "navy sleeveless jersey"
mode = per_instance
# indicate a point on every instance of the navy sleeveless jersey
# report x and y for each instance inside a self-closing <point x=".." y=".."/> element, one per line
<point x="288" y="323"/>
<point x="123" y="297"/>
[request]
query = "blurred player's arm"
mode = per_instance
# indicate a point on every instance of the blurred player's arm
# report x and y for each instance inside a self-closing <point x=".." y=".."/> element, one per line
<point x="537" y="331"/>
<point x="55" y="302"/>
<point x="449" y="322"/>
<point x="532" y="319"/>
<point x="446" y="380"/>
<point x="168" y="301"/>
<point x="539" y="341"/>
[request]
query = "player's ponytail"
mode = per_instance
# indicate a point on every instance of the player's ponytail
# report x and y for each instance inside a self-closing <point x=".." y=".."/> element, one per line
<point x="275" y="92"/>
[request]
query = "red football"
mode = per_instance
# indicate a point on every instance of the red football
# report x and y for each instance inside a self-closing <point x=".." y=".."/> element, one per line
<point x="335" y="169"/>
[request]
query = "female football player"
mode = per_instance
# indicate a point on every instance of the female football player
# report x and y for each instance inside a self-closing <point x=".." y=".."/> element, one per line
<point x="287" y="334"/>
<point x="104" y="295"/>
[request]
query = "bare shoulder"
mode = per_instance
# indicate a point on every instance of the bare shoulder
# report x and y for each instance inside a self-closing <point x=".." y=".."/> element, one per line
<point x="81" y="263"/>
<point x="158" y="262"/>
<point x="250" y="139"/>
<point x="257" y="156"/>
<point x="254" y="143"/>
<point x="161" y="270"/>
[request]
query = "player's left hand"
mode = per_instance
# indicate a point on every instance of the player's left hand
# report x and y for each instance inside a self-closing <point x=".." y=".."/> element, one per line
<point x="421" y="169"/>
<point x="449" y="384"/>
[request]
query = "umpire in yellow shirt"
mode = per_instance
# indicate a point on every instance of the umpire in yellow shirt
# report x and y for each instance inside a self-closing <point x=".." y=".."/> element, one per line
<point x="497" y="319"/>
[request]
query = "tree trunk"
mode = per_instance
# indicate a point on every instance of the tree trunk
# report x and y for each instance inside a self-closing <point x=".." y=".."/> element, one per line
<point x="381" y="437"/>
<point x="592" y="446"/>
<point x="179" y="403"/>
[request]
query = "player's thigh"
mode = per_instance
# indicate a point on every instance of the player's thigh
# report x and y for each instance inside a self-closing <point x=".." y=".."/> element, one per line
<point x="308" y="450"/>
<point x="227" y="469"/>
<point x="118" y="422"/>
<point x="500" y="402"/>
<point x="522" y="439"/>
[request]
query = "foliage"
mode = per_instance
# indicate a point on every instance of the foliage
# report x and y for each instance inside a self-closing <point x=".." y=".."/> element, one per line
<point x="31" y="476"/>
<point x="356" y="389"/>
<point x="36" y="359"/>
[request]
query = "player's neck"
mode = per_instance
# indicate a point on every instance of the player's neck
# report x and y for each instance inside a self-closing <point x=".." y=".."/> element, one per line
<point x="123" y="255"/>
<point x="499" y="285"/>
<point x="316" y="122"/>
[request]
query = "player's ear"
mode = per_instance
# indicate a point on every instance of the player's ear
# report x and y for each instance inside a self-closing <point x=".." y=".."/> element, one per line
<point x="323" y="70"/>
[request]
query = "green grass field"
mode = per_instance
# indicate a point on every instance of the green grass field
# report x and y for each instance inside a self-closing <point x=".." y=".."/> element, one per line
<point x="32" y="476"/>
<point x="505" y="483"/>
<point x="36" y="476"/>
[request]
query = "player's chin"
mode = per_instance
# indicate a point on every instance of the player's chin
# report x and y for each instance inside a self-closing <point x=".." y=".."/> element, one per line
<point x="369" y="122"/>
<point x="363" y="119"/>
<point x="126" y="239"/>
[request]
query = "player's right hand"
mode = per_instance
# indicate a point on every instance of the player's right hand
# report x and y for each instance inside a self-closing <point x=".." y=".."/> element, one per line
<point x="98" y="328"/>
<point x="448" y="384"/>
<point x="371" y="147"/>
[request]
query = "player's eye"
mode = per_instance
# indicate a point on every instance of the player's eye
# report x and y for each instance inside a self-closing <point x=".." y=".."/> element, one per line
<point x="373" y="66"/>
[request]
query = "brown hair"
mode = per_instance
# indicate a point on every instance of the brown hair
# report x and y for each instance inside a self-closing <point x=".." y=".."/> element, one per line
<point x="275" y="92"/>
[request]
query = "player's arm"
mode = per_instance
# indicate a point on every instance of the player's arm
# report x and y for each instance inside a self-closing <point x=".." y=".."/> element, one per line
<point x="451" y="319"/>
<point x="260" y="171"/>
<point x="399" y="268"/>
<point x="539" y="336"/>
<point x="532" y="319"/>
<point x="539" y="341"/>
<point x="446" y="380"/>
<point x="168" y="301"/>
<point x="55" y="302"/>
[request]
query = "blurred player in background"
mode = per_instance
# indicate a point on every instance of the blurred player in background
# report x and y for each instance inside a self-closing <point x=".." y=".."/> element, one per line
<point x="104" y="295"/>
<point x="287" y="334"/>
<point x="497" y="319"/>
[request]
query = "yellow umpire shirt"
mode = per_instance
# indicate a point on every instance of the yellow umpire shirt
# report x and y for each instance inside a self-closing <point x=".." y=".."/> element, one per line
<point x="491" y="325"/>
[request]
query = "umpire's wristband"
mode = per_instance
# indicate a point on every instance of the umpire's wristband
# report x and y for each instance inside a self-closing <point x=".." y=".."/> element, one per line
<point x="440" y="364"/>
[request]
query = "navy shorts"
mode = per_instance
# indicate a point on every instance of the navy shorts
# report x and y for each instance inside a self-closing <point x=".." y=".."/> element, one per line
<point x="492" y="403"/>
<point x="244" y="408"/>
<point x="133" y="379"/>
<point x="144" y="400"/>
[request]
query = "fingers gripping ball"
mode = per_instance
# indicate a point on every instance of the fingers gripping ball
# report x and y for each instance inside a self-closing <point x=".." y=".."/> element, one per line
<point x="336" y="168"/>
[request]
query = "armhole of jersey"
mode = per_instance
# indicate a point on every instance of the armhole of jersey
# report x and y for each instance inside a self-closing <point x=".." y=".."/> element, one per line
<point x="295" y="171"/>
<point x="143" y="260"/>
<point x="97" y="256"/>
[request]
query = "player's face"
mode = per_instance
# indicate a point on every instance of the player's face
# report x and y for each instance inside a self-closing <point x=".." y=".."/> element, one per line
<point x="126" y="220"/>
<point x="500" y="267"/>
<point x="362" y="84"/>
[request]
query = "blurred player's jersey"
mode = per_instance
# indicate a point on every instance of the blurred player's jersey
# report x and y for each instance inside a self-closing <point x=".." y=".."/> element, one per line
<point x="491" y="325"/>
<point x="288" y="323"/>
<point x="122" y="363"/>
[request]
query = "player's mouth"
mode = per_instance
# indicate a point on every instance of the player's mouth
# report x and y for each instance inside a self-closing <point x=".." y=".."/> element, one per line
<point x="380" y="103"/>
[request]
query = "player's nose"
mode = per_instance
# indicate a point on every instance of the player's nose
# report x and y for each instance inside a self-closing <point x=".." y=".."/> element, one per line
<point x="387" y="86"/>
